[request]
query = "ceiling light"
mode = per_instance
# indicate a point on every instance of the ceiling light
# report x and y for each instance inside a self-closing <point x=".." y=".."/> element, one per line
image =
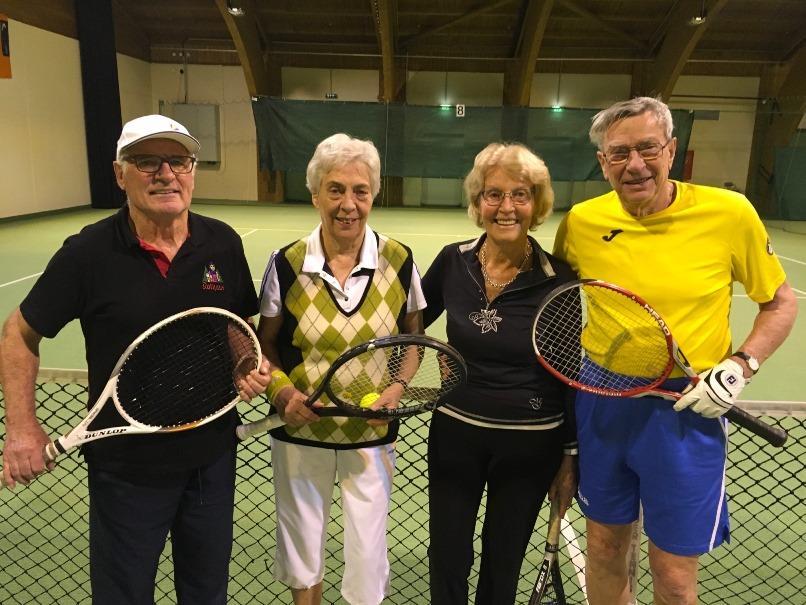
<point x="700" y="18"/>
<point x="235" y="11"/>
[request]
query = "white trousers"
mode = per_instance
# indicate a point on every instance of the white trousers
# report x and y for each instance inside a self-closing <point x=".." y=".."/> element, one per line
<point x="304" y="478"/>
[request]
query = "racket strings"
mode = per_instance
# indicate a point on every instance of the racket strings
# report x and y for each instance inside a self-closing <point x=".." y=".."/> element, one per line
<point x="422" y="373"/>
<point x="185" y="371"/>
<point x="603" y="338"/>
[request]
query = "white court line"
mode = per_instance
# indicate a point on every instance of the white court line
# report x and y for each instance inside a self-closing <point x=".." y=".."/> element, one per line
<point x="577" y="558"/>
<point x="248" y="233"/>
<point x="792" y="260"/>
<point x="21" y="279"/>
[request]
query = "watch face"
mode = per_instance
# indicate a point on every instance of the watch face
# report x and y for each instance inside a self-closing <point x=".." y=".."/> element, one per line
<point x="752" y="362"/>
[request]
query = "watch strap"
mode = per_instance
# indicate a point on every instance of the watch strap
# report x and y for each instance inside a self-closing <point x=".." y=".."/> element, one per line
<point x="751" y="361"/>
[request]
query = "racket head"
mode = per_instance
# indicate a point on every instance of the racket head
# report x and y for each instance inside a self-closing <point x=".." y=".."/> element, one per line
<point x="183" y="371"/>
<point x="419" y="368"/>
<point x="603" y="339"/>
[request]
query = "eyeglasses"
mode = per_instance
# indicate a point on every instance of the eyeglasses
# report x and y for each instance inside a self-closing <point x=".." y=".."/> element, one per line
<point x="151" y="164"/>
<point x="495" y="197"/>
<point x="647" y="151"/>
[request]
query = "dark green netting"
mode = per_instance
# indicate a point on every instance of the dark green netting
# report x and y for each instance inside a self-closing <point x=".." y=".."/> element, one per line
<point x="790" y="183"/>
<point x="420" y="141"/>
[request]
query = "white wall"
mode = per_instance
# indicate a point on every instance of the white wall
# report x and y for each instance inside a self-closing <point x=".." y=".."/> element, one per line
<point x="721" y="147"/>
<point x="43" y="151"/>
<point x="235" y="178"/>
<point x="134" y="81"/>
<point x="310" y="84"/>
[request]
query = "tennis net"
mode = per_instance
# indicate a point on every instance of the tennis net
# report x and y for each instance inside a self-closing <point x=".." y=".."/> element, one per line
<point x="44" y="542"/>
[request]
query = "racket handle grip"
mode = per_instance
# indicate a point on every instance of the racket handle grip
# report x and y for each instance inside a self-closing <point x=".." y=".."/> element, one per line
<point x="52" y="452"/>
<point x="244" y="431"/>
<point x="772" y="434"/>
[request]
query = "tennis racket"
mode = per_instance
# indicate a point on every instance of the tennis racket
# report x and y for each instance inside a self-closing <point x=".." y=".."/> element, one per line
<point x="634" y="556"/>
<point x="179" y="374"/>
<point x="548" y="588"/>
<point x="603" y="339"/>
<point x="408" y="373"/>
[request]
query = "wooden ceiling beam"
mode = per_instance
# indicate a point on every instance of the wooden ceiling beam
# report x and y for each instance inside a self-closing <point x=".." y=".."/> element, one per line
<point x="475" y="12"/>
<point x="602" y="24"/>
<point x="263" y="78"/>
<point x="383" y="20"/>
<point x="518" y="79"/>
<point x="679" y="43"/>
<point x="252" y="47"/>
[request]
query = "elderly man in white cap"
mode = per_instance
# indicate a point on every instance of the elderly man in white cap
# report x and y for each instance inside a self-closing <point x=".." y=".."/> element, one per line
<point x="119" y="276"/>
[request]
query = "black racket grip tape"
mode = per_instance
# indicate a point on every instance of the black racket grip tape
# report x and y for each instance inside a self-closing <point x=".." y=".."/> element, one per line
<point x="772" y="434"/>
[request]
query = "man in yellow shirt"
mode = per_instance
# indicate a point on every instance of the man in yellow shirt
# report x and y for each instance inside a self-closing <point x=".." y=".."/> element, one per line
<point x="681" y="247"/>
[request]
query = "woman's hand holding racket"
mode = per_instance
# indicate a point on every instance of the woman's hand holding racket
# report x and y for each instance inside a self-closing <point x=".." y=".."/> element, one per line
<point x="380" y="380"/>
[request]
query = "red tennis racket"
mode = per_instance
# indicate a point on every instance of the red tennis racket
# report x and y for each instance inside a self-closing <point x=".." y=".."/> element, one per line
<point x="603" y="339"/>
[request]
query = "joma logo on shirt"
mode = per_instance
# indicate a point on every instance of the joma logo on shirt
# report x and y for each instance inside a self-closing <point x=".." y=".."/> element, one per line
<point x="211" y="280"/>
<point x="613" y="233"/>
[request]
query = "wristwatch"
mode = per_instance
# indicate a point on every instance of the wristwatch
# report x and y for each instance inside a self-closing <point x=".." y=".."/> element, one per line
<point x="751" y="361"/>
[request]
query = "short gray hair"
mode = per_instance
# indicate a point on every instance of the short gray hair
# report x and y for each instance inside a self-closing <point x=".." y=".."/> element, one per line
<point x="519" y="162"/>
<point x="339" y="150"/>
<point x="603" y="120"/>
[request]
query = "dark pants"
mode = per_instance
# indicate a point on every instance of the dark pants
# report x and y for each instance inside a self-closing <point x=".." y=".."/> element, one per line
<point x="131" y="516"/>
<point x="517" y="468"/>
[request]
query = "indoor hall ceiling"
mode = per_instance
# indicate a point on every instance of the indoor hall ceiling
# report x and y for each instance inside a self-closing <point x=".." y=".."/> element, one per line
<point x="739" y="36"/>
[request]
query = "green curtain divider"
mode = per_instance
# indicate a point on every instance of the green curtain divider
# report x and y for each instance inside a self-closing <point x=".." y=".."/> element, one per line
<point x="424" y="141"/>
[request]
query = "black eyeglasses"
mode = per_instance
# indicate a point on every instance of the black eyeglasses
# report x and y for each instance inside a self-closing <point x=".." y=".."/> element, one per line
<point x="647" y="151"/>
<point x="151" y="164"/>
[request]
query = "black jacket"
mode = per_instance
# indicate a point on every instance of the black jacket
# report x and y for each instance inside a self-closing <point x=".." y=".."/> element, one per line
<point x="506" y="386"/>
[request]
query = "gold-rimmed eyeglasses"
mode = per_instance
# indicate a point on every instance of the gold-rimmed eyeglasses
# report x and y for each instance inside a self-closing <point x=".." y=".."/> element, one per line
<point x="519" y="197"/>
<point x="647" y="152"/>
<point x="151" y="164"/>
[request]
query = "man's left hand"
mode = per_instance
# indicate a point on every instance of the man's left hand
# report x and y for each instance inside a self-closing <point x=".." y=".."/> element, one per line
<point x="716" y="392"/>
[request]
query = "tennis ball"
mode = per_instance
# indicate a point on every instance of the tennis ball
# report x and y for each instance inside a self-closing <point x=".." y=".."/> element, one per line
<point x="368" y="399"/>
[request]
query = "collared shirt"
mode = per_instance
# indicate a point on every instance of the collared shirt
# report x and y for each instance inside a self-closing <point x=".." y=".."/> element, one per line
<point x="347" y="297"/>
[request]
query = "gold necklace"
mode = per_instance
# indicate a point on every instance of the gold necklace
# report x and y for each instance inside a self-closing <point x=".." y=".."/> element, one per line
<point x="501" y="285"/>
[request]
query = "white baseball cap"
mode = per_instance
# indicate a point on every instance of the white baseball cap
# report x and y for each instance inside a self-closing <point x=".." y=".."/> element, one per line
<point x="155" y="127"/>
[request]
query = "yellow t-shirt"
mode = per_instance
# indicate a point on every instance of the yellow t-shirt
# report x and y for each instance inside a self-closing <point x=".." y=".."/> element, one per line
<point x="683" y="260"/>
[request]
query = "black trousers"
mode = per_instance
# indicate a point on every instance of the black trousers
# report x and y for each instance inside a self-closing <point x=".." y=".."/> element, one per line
<point x="131" y="516"/>
<point x="517" y="468"/>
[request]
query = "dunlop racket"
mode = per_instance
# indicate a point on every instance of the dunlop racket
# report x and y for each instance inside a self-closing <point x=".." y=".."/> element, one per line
<point x="179" y="374"/>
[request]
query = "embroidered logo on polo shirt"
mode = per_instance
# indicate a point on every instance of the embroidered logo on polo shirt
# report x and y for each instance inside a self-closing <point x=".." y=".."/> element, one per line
<point x="211" y="280"/>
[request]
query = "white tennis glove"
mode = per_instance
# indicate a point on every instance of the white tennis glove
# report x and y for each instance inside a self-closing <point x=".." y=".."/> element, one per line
<point x="717" y="390"/>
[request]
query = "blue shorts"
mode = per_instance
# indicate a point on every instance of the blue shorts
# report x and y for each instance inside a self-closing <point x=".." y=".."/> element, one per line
<point x="640" y="449"/>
